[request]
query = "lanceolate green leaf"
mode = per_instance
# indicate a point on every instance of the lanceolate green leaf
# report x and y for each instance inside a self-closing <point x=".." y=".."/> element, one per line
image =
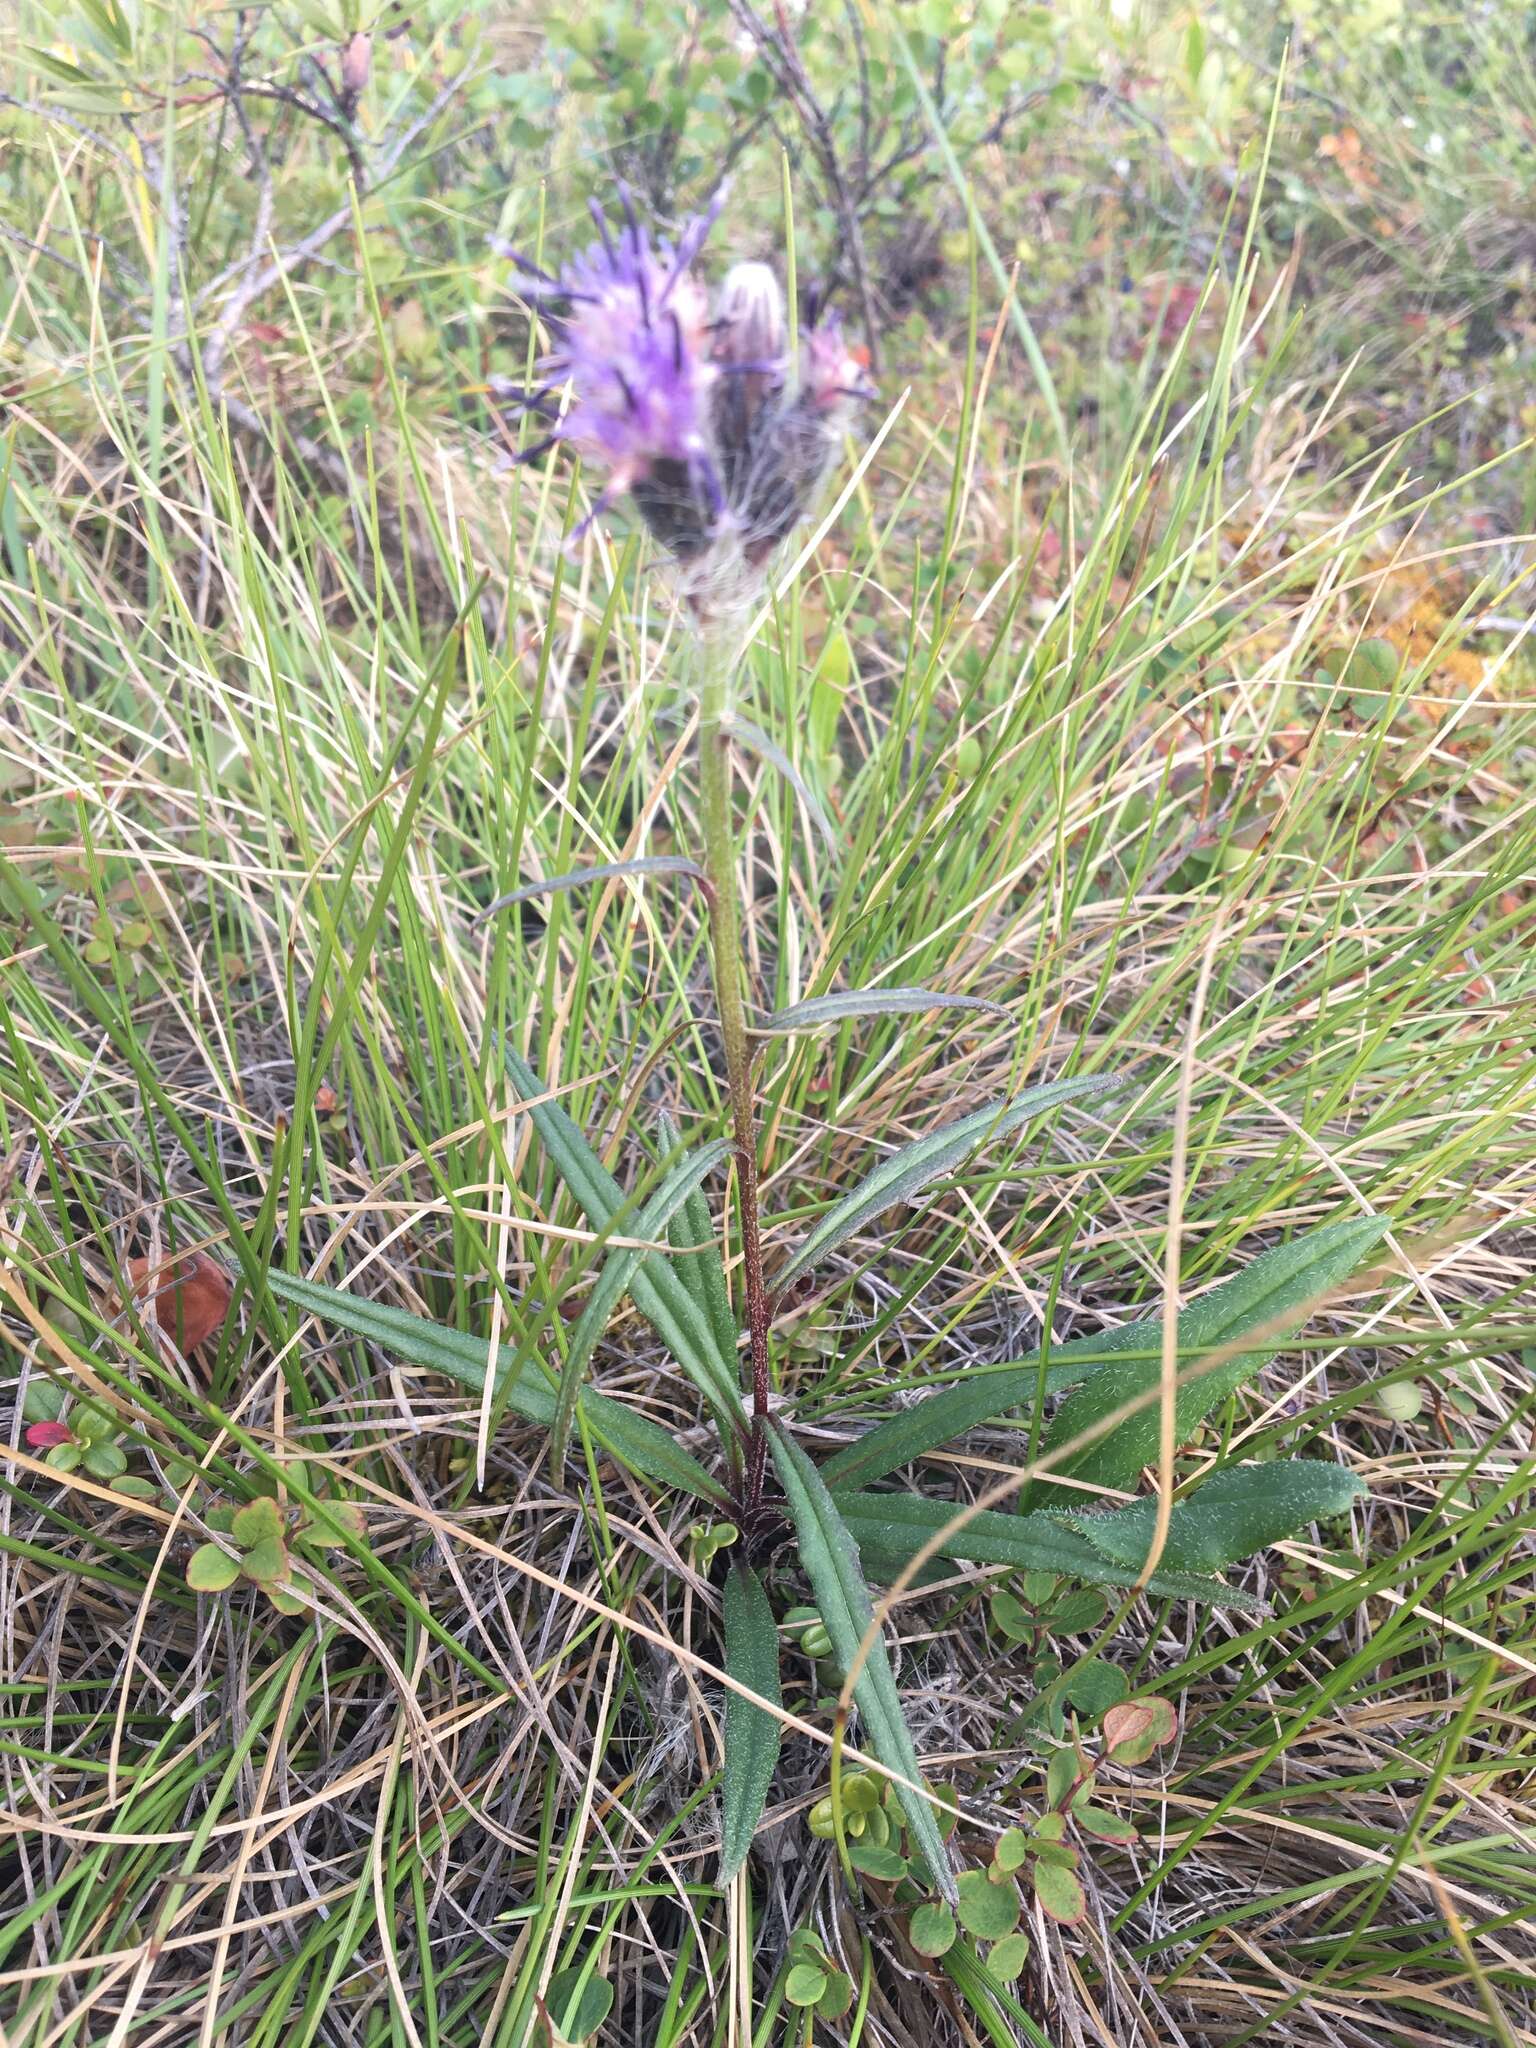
<point x="985" y="1393"/>
<point x="890" y="1528"/>
<point x="1276" y="1283"/>
<point x="697" y="1260"/>
<point x="644" y="1446"/>
<point x="743" y="729"/>
<point x="817" y="1012"/>
<point x="606" y="871"/>
<point x="1230" y="1516"/>
<point x="661" y="1295"/>
<point x="906" y="1172"/>
<point x="831" y="1559"/>
<point x="752" y="1736"/>
<point x="1267" y="1299"/>
<point x="617" y="1275"/>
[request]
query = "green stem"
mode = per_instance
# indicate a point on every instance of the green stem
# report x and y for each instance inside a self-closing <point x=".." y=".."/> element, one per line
<point x="729" y="970"/>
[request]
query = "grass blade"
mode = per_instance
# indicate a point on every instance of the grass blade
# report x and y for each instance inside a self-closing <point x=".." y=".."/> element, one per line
<point x="752" y="1737"/>
<point x="830" y="1555"/>
<point x="906" y="1172"/>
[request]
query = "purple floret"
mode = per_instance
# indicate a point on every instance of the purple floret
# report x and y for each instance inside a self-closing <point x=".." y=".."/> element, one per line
<point x="633" y="350"/>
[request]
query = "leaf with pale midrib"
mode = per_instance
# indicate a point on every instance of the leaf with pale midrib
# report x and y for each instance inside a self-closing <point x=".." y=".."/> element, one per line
<point x="910" y="1169"/>
<point x="752" y="1736"/>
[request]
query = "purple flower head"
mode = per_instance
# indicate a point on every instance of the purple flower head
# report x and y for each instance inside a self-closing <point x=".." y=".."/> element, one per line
<point x="694" y="415"/>
<point x="632" y="346"/>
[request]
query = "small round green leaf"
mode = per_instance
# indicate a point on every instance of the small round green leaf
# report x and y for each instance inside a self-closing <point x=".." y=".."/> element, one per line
<point x="861" y="1792"/>
<point x="1097" y="1686"/>
<point x="876" y="1860"/>
<point x="932" y="1930"/>
<point x="1061" y="1775"/>
<point x="1010" y="1618"/>
<point x="211" y="1570"/>
<point x="266" y="1562"/>
<point x="104" y="1461"/>
<point x="1008" y="1957"/>
<point x="44" y="1401"/>
<point x="1400" y="1399"/>
<point x="1060" y="1892"/>
<point x="822" y="1819"/>
<point x="1077" y="1613"/>
<point x="805" y="1984"/>
<point x="837" y="1997"/>
<point x="987" y="1910"/>
<point x="1010" y="1849"/>
<point x="578" y="2009"/>
<point x="1098" y="1821"/>
<point x="92" y="1424"/>
<point x="259" y="1521"/>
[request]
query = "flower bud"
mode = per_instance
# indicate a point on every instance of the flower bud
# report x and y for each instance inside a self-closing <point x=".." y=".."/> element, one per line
<point x="750" y="339"/>
<point x="750" y="323"/>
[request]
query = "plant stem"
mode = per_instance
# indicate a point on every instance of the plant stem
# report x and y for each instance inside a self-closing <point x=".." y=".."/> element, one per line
<point x="725" y="940"/>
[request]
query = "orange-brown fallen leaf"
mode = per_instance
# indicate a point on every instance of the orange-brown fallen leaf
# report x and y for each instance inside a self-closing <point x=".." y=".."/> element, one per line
<point x="191" y="1296"/>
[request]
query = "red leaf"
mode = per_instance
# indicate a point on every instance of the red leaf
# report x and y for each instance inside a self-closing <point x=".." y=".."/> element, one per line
<point x="47" y="1436"/>
<point x="191" y="1297"/>
<point x="1134" y="1728"/>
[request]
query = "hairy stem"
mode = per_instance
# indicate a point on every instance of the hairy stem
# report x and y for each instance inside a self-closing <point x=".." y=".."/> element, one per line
<point x="725" y="940"/>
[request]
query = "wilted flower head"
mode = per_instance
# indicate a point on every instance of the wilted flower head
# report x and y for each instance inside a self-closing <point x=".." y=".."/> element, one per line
<point x="692" y="412"/>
